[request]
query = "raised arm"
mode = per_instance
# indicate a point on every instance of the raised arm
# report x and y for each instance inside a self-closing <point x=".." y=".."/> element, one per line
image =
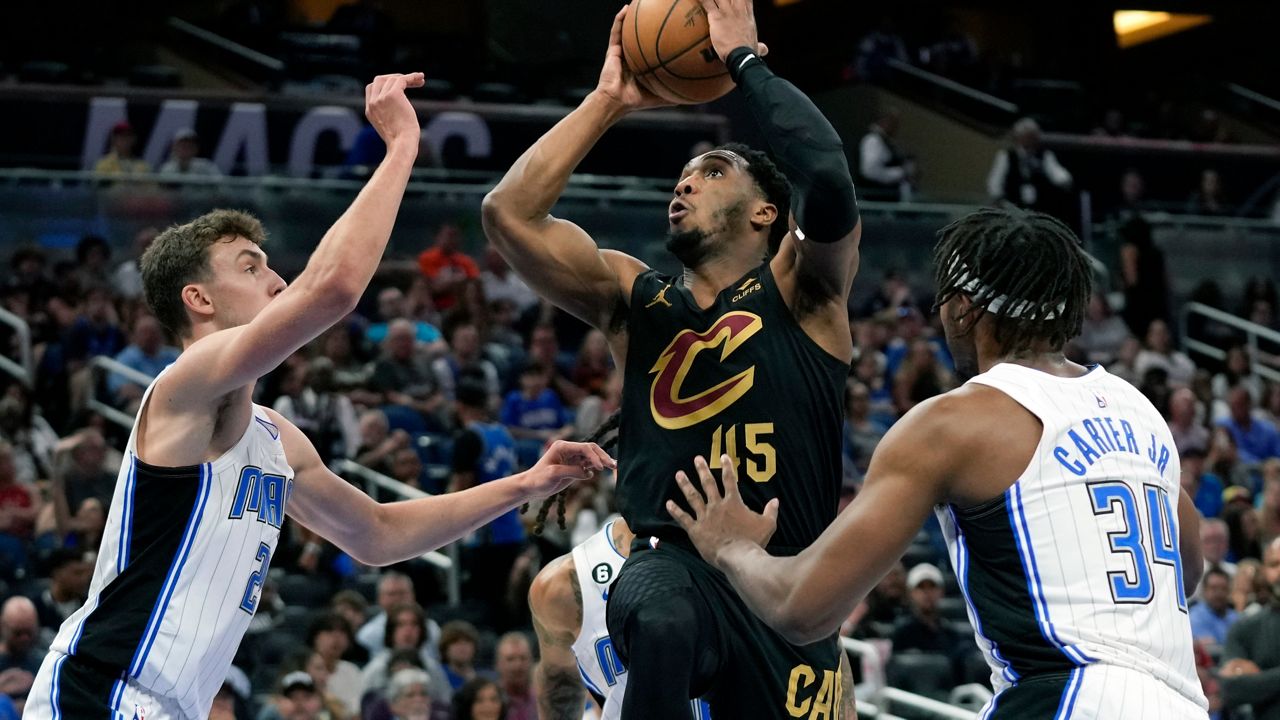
<point x="555" y="599"/>
<point x="821" y="253"/>
<point x="333" y="280"/>
<point x="1189" y="543"/>
<point x="556" y="257"/>
<point x="381" y="534"/>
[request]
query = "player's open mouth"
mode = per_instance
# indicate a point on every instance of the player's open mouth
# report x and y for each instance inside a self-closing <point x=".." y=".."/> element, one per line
<point x="676" y="212"/>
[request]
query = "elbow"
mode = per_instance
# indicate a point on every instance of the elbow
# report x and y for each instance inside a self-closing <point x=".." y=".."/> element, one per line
<point x="800" y="630"/>
<point x="496" y="214"/>
<point x="333" y="293"/>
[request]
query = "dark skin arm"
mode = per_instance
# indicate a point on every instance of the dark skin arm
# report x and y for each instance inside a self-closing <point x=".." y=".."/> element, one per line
<point x="555" y="599"/>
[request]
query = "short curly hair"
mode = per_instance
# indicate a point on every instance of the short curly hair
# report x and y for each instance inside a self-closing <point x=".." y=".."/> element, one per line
<point x="180" y="256"/>
<point x="773" y="185"/>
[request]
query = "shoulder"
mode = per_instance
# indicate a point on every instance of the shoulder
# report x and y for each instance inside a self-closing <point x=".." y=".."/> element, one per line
<point x="555" y="597"/>
<point x="298" y="450"/>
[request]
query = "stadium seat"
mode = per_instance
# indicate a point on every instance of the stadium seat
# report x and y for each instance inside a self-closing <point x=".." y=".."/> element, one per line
<point x="927" y="674"/>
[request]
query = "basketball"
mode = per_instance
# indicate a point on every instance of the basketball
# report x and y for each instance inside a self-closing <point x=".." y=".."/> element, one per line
<point x="667" y="44"/>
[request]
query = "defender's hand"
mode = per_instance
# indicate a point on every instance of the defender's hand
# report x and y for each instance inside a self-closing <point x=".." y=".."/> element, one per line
<point x="733" y="25"/>
<point x="617" y="83"/>
<point x="563" y="464"/>
<point x="718" y="522"/>
<point x="390" y="112"/>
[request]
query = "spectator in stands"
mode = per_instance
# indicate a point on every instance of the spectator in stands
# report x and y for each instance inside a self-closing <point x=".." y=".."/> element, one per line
<point x="1158" y="352"/>
<point x="1269" y="509"/>
<point x="861" y="433"/>
<point x="351" y="605"/>
<point x="83" y="455"/>
<point x="544" y="349"/>
<point x="309" y="400"/>
<point x="1256" y="439"/>
<point x="925" y="629"/>
<point x="1251" y="659"/>
<point x="876" y="49"/>
<point x="393" y="305"/>
<point x="1144" y="276"/>
<point x="1123" y="366"/>
<point x="1213" y="616"/>
<point x="1224" y="461"/>
<point x="407" y="467"/>
<point x="594" y="409"/>
<point x="515" y="676"/>
<point x="329" y="636"/>
<point x="350" y="372"/>
<point x="479" y="699"/>
<point x="1243" y="595"/>
<point x="920" y="377"/>
<point x="313" y="664"/>
<point x="534" y="412"/>
<point x="594" y="363"/>
<point x="21" y="648"/>
<point x="378" y="444"/>
<point x="394" y="590"/>
<point x="69" y="574"/>
<point x="298" y="699"/>
<point x="1208" y="199"/>
<point x="127" y="278"/>
<point x="484" y="451"/>
<point x="148" y="354"/>
<point x="446" y="267"/>
<point x="465" y="359"/>
<point x="459" y="643"/>
<point x="1238" y="372"/>
<point x="96" y="330"/>
<point x="1133" y="197"/>
<point x="374" y="705"/>
<point x="120" y="160"/>
<point x="1026" y="174"/>
<point x="1113" y="125"/>
<point x="883" y="164"/>
<point x="869" y="369"/>
<point x="1102" y="334"/>
<point x="1188" y="433"/>
<point x="183" y="158"/>
<point x="1205" y="489"/>
<point x="406" y="631"/>
<point x="500" y="283"/>
<point x="410" y="697"/>
<point x="19" y="507"/>
<point x="92" y="266"/>
<point x="403" y="375"/>
<point x="1242" y="524"/>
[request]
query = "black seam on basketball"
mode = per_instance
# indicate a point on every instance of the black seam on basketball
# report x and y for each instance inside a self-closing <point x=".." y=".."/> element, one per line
<point x="657" y="38"/>
<point x="670" y="89"/>
<point x="635" y="25"/>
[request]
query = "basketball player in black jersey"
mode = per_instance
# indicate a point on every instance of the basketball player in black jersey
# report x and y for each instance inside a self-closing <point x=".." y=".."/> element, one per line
<point x="745" y="354"/>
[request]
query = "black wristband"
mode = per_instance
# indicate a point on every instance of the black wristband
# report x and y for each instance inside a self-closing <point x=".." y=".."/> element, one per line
<point x="739" y="59"/>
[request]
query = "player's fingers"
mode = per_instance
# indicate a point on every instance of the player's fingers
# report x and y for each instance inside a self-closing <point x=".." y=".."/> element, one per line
<point x="771" y="511"/>
<point x="730" y="475"/>
<point x="605" y="459"/>
<point x="691" y="494"/>
<point x="707" y="479"/>
<point x="615" y="33"/>
<point x="680" y="516"/>
<point x="415" y="80"/>
<point x="762" y="49"/>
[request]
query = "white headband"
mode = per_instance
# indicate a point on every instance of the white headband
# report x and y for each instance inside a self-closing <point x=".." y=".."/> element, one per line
<point x="969" y="284"/>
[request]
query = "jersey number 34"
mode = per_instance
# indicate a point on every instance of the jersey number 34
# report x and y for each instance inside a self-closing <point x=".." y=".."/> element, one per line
<point x="1158" y="545"/>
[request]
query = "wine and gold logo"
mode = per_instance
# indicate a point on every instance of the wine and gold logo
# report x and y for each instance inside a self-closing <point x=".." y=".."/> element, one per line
<point x="671" y="407"/>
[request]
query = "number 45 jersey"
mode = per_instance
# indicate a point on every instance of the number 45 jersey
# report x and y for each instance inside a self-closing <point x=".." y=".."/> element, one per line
<point x="742" y="378"/>
<point x="1075" y="573"/>
<point x="178" y="577"/>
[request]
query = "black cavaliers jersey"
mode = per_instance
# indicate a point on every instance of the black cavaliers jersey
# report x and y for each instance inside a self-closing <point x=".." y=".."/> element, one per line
<point x="741" y="378"/>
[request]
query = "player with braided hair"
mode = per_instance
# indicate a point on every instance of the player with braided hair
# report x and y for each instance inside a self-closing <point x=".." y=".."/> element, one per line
<point x="1056" y="486"/>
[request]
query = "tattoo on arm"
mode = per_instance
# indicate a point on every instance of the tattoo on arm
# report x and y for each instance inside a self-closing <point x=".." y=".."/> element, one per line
<point x="562" y="694"/>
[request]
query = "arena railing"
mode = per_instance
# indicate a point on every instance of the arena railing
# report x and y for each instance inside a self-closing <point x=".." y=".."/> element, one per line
<point x="23" y="369"/>
<point x="985" y="106"/>
<point x="372" y="480"/>
<point x="875" y="698"/>
<point x="1253" y="332"/>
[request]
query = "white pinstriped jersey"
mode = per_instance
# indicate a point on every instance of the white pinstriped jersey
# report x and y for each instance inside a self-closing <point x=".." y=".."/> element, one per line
<point x="1076" y="568"/>
<point x="179" y="572"/>
<point x="596" y="563"/>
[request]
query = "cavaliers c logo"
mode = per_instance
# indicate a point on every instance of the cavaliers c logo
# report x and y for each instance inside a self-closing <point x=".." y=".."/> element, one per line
<point x="671" y="410"/>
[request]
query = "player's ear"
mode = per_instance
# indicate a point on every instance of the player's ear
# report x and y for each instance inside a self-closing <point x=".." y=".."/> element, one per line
<point x="196" y="298"/>
<point x="764" y="215"/>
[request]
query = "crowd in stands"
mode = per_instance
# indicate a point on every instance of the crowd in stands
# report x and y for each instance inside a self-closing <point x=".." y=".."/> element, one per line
<point x="452" y="373"/>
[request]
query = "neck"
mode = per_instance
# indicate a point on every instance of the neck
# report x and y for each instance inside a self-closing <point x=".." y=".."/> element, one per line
<point x="707" y="280"/>
<point x="1043" y="359"/>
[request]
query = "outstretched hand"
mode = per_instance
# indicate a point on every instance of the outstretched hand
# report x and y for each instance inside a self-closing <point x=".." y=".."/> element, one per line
<point x="719" y="521"/>
<point x="563" y="464"/>
<point x="617" y="82"/>
<point x="389" y="110"/>
<point x="733" y="25"/>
